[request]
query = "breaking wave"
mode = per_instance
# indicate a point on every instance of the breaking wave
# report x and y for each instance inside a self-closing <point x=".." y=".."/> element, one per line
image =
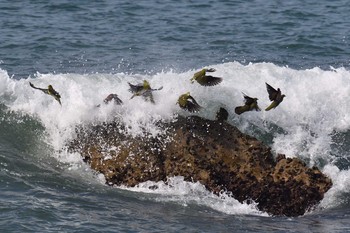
<point x="312" y="122"/>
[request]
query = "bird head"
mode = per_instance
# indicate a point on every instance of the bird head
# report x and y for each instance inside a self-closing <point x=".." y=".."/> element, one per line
<point x="183" y="99"/>
<point x="50" y="88"/>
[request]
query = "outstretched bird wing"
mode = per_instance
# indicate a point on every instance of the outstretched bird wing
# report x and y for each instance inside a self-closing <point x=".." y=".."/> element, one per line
<point x="41" y="89"/>
<point x="209" y="80"/>
<point x="53" y="93"/>
<point x="272" y="92"/>
<point x="248" y="100"/>
<point x="192" y="105"/>
<point x="135" y="88"/>
<point x="113" y="97"/>
<point x="148" y="96"/>
<point x="58" y="100"/>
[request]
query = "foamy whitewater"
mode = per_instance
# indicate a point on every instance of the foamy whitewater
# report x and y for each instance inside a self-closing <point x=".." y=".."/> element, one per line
<point x="312" y="122"/>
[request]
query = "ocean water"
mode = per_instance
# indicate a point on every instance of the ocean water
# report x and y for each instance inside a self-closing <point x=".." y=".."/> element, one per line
<point x="89" y="49"/>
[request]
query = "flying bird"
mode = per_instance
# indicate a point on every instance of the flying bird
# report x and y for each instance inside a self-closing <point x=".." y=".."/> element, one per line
<point x="144" y="90"/>
<point x="275" y="96"/>
<point x="187" y="102"/>
<point x="206" y="80"/>
<point x="250" y="104"/>
<point x="113" y="97"/>
<point x="110" y="98"/>
<point x="49" y="91"/>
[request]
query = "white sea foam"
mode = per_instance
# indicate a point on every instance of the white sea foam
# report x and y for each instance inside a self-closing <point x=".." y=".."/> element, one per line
<point x="316" y="105"/>
<point x="186" y="193"/>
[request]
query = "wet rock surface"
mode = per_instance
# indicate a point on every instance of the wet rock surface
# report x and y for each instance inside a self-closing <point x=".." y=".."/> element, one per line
<point x="214" y="153"/>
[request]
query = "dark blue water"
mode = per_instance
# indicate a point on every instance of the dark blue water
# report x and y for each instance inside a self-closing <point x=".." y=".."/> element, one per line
<point x="150" y="36"/>
<point x="81" y="45"/>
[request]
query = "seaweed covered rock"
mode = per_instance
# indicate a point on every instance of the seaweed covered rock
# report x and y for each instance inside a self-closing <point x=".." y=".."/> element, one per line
<point x="214" y="153"/>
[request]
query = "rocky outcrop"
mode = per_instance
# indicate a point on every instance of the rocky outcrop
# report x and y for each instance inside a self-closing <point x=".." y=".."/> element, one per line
<point x="214" y="153"/>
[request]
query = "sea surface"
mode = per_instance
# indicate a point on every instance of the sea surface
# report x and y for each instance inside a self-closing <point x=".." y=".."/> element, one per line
<point x="89" y="49"/>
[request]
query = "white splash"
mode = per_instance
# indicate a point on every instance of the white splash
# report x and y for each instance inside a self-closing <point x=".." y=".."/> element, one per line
<point x="316" y="105"/>
<point x="186" y="193"/>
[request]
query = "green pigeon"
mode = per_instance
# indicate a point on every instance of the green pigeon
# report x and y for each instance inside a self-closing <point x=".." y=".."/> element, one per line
<point x="206" y="80"/>
<point x="49" y="91"/>
<point x="250" y="104"/>
<point x="144" y="90"/>
<point x="187" y="102"/>
<point x="275" y="96"/>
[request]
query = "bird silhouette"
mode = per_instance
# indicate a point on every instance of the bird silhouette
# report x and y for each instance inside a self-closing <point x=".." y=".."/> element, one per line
<point x="144" y="89"/>
<point x="113" y="97"/>
<point x="275" y="96"/>
<point x="250" y="104"/>
<point x="49" y="91"/>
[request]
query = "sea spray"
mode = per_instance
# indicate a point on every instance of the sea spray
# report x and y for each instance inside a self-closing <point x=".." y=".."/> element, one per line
<point x="176" y="190"/>
<point x="315" y="109"/>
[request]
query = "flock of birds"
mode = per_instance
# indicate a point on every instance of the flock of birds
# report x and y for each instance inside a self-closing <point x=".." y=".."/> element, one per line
<point x="186" y="101"/>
